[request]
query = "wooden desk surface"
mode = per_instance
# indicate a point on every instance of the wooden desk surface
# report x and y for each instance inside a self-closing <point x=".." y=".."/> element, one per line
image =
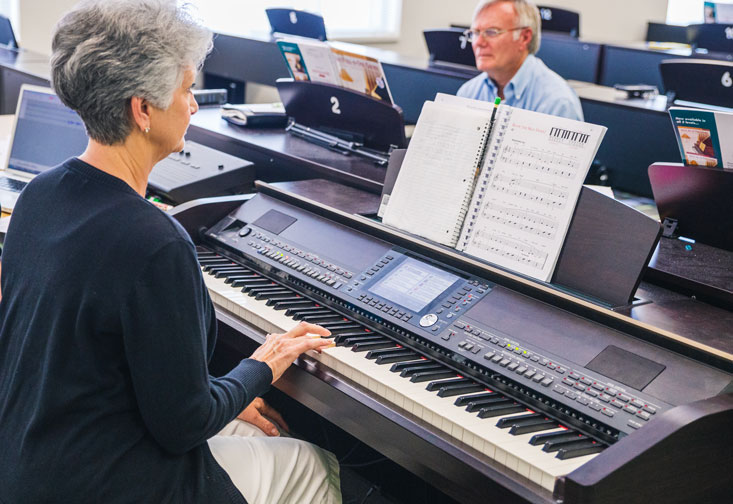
<point x="279" y="155"/>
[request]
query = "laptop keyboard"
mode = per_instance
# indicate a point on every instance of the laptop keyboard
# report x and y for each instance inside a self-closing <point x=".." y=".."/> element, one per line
<point x="12" y="184"/>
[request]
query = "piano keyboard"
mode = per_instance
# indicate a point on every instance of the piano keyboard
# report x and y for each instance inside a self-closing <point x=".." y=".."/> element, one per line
<point x="523" y="440"/>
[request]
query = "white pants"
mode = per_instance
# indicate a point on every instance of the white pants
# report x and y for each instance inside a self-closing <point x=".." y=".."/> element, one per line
<point x="276" y="470"/>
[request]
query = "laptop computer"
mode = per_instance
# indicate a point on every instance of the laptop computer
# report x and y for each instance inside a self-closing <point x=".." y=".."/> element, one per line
<point x="45" y="133"/>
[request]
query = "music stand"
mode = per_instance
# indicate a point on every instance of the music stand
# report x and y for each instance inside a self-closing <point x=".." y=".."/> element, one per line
<point x="715" y="37"/>
<point x="560" y="20"/>
<point x="7" y="37"/>
<point x="449" y="46"/>
<point x="296" y="22"/>
<point x="661" y="32"/>
<point x="343" y="113"/>
<point x="699" y="81"/>
<point x="698" y="198"/>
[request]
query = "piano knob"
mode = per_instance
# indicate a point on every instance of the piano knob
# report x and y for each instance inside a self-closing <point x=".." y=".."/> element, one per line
<point x="245" y="231"/>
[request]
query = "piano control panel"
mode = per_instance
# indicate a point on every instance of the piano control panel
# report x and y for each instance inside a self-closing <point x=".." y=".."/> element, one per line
<point x="529" y="349"/>
<point x="589" y="393"/>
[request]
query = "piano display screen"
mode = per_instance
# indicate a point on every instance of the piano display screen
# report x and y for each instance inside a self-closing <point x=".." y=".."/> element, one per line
<point x="413" y="284"/>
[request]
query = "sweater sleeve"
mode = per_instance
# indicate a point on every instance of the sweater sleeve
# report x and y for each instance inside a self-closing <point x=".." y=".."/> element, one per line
<point x="167" y="320"/>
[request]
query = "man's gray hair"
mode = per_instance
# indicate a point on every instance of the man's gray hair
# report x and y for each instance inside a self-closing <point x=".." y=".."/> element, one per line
<point x="527" y="15"/>
<point x="107" y="51"/>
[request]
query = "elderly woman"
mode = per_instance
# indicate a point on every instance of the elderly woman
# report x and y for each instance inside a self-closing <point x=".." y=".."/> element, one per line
<point x="106" y="325"/>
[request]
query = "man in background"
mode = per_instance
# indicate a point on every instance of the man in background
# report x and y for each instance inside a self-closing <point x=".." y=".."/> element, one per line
<point x="505" y="35"/>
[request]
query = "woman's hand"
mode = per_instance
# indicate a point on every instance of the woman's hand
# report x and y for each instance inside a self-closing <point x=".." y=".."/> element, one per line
<point x="262" y="415"/>
<point x="280" y="350"/>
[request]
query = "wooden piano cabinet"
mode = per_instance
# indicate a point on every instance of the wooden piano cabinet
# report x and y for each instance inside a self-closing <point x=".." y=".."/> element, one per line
<point x="684" y="456"/>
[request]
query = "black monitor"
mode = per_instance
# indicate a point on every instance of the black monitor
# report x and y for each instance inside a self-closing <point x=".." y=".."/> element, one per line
<point x="296" y="22"/>
<point x="449" y="46"/>
<point x="660" y="32"/>
<point x="699" y="81"/>
<point x="560" y="20"/>
<point x="571" y="58"/>
<point x="712" y="37"/>
<point x="7" y="37"/>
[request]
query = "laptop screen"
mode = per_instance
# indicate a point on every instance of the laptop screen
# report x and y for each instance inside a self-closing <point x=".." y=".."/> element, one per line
<point x="47" y="133"/>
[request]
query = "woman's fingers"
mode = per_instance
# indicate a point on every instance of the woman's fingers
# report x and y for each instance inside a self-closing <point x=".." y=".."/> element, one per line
<point x="304" y="328"/>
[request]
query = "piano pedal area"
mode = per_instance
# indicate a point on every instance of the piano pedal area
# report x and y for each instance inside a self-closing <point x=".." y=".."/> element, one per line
<point x="496" y="425"/>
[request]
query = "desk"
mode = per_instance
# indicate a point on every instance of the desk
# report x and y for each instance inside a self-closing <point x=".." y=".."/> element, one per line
<point x="279" y="155"/>
<point x="635" y="63"/>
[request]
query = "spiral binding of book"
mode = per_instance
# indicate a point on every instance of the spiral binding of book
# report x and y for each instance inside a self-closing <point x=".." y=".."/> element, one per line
<point x="467" y="199"/>
<point x="488" y="159"/>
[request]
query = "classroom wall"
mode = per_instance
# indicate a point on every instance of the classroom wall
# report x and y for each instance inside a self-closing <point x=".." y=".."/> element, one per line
<point x="600" y="20"/>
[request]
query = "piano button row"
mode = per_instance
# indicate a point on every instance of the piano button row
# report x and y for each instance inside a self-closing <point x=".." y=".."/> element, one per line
<point x="501" y="428"/>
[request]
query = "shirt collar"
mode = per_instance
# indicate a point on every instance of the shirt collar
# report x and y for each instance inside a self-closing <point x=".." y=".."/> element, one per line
<point x="518" y="84"/>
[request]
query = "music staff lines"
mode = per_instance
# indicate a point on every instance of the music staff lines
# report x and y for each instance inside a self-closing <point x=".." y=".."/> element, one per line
<point x="510" y="248"/>
<point x="540" y="161"/>
<point x="523" y="220"/>
<point x="549" y="195"/>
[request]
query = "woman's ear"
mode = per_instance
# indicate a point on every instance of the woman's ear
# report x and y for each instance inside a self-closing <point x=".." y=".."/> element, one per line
<point x="140" y="113"/>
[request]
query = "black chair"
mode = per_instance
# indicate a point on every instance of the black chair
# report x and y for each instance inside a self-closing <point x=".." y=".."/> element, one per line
<point x="7" y="37"/>
<point x="295" y="22"/>
<point x="560" y="20"/>
<point x="449" y="46"/>
<point x="712" y="36"/>
<point x="660" y="32"/>
<point x="699" y="81"/>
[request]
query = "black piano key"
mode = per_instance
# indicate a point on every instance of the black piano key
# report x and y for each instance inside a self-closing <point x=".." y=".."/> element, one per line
<point x="413" y="370"/>
<point x="266" y="293"/>
<point x="589" y="448"/>
<point x="248" y="276"/>
<point x="408" y="355"/>
<point x="565" y="435"/>
<point x="464" y="400"/>
<point x="477" y="404"/>
<point x="223" y="270"/>
<point x="400" y="353"/>
<point x="288" y="296"/>
<point x="398" y="367"/>
<point x="457" y="380"/>
<point x="365" y="346"/>
<point x="334" y="326"/>
<point x="345" y="340"/>
<point x="345" y="329"/>
<point x="555" y="445"/>
<point x="536" y="426"/>
<point x="253" y="291"/>
<point x="505" y="423"/>
<point x="322" y="318"/>
<point x="296" y="305"/>
<point x="247" y="284"/>
<point x="500" y="410"/>
<point x="454" y="390"/>
<point x="209" y="263"/>
<point x="424" y="376"/>
<point x="355" y="334"/>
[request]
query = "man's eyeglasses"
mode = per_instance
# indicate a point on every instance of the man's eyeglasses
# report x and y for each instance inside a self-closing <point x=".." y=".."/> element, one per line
<point x="488" y="33"/>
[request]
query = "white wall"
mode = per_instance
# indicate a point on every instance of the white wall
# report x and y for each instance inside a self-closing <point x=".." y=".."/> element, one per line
<point x="37" y="19"/>
<point x="600" y="20"/>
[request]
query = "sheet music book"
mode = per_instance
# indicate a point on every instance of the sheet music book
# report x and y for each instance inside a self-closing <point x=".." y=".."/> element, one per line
<point x="316" y="61"/>
<point x="505" y="194"/>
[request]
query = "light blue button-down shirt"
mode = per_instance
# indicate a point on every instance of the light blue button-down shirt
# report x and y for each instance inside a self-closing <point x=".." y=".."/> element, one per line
<point x="533" y="87"/>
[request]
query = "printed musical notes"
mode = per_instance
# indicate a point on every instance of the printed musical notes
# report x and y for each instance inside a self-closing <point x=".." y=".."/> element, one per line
<point x="527" y="192"/>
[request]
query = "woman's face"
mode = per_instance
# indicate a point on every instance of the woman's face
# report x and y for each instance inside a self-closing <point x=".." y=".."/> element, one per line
<point x="168" y="127"/>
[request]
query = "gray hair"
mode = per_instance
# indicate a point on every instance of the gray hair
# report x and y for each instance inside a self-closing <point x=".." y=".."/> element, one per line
<point x="527" y="15"/>
<point x="107" y="51"/>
